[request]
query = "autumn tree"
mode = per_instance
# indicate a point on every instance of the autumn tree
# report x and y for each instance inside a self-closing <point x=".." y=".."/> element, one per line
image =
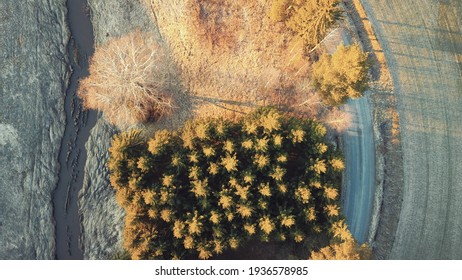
<point x="342" y="75"/>
<point x="310" y="19"/>
<point x="129" y="80"/>
<point x="346" y="250"/>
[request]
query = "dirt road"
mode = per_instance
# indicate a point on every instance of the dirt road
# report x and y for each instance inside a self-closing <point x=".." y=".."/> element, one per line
<point x="360" y="172"/>
<point x="423" y="47"/>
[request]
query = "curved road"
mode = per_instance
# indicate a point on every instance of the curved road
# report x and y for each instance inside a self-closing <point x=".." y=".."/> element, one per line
<point x="358" y="196"/>
<point x="423" y="46"/>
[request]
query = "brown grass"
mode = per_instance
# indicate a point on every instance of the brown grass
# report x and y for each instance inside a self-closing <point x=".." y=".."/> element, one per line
<point x="231" y="56"/>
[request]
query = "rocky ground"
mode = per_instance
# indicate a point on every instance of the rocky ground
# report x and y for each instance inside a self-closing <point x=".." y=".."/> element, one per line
<point x="33" y="79"/>
<point x="102" y="218"/>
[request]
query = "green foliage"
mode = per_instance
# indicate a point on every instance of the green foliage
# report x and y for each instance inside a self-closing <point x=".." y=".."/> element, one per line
<point x="342" y="75"/>
<point x="215" y="185"/>
<point x="310" y="19"/>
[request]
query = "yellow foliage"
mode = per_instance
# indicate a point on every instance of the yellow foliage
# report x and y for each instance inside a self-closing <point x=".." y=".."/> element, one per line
<point x="288" y="220"/>
<point x="188" y="242"/>
<point x="200" y="187"/>
<point x="193" y="158"/>
<point x="266" y="225"/>
<point x="282" y="188"/>
<point x="149" y="197"/>
<point x="194" y="225"/>
<point x="233" y="243"/>
<point x="247" y="144"/>
<point x="348" y="250"/>
<point x="278" y="173"/>
<point x="202" y="130"/>
<point x="242" y="192"/>
<point x="225" y="201"/>
<point x="261" y="160"/>
<point x="218" y="246"/>
<point x="277" y="140"/>
<point x="214" y="217"/>
<point x="229" y="163"/>
<point x="340" y="230"/>
<point x="332" y="210"/>
<point x="178" y="228"/>
<point x="320" y="166"/>
<point x="321" y="147"/>
<point x="337" y="164"/>
<point x="244" y="210"/>
<point x="297" y="135"/>
<point x="330" y="193"/>
<point x="204" y="254"/>
<point x="230" y="216"/>
<point x="250" y="127"/>
<point x="166" y="214"/>
<point x="160" y="139"/>
<point x="229" y="146"/>
<point x="167" y="180"/>
<point x="261" y="144"/>
<point x="298" y="237"/>
<point x="342" y="75"/>
<point x="316" y="185"/>
<point x="194" y="172"/>
<point x="282" y="158"/>
<point x="271" y="121"/>
<point x="303" y="194"/>
<point x="265" y="190"/>
<point x="213" y="168"/>
<point x="208" y="151"/>
<point x="249" y="228"/>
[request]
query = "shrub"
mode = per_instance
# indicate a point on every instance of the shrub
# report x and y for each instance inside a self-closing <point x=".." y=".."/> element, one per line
<point x="128" y="81"/>
<point x="342" y="75"/>
<point x="214" y="185"/>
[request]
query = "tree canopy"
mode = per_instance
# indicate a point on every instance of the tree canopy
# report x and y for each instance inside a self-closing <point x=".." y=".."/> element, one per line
<point x="310" y="19"/>
<point x="342" y="75"/>
<point x="214" y="185"/>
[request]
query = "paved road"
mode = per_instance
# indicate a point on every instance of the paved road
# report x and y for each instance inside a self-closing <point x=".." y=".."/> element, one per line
<point x="423" y="46"/>
<point x="360" y="169"/>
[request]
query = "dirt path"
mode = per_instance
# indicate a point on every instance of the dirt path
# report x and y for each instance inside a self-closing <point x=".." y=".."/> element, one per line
<point x="360" y="171"/>
<point x="423" y="47"/>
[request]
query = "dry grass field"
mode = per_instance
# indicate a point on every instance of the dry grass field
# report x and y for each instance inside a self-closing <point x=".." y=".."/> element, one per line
<point x="231" y="57"/>
<point x="422" y="44"/>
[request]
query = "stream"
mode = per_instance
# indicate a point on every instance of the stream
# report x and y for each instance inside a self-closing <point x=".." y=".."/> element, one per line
<point x="79" y="122"/>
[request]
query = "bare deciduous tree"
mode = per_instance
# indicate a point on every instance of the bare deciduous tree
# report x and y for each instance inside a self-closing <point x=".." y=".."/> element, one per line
<point x="129" y="80"/>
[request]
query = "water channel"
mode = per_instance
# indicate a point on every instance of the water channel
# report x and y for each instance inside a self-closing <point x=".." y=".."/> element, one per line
<point x="72" y="156"/>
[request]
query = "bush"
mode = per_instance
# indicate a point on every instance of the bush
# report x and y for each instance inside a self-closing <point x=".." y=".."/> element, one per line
<point x="214" y="185"/>
<point x="342" y="75"/>
<point x="128" y="81"/>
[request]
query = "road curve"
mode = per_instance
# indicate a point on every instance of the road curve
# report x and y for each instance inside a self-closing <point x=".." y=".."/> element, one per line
<point x="359" y="149"/>
<point x="422" y="43"/>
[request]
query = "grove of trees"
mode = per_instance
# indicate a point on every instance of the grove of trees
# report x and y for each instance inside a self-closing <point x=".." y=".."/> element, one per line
<point x="341" y="75"/>
<point x="215" y="184"/>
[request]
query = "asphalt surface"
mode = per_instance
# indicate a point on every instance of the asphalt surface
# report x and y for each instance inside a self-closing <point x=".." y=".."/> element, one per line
<point x="359" y="150"/>
<point x="423" y="47"/>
